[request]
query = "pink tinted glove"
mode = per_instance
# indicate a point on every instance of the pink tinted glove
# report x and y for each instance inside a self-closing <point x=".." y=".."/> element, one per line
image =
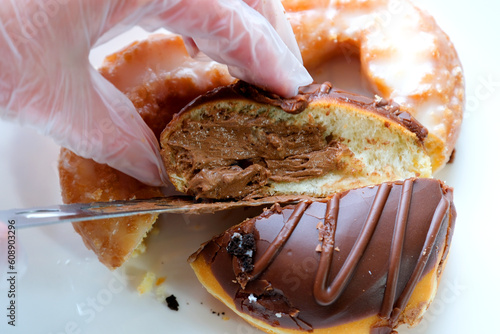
<point x="46" y="80"/>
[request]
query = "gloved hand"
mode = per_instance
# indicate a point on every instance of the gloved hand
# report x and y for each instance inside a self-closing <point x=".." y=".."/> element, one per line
<point x="46" y="79"/>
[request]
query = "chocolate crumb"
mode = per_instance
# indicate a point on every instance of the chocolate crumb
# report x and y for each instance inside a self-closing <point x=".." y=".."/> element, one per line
<point x="218" y="313"/>
<point x="380" y="101"/>
<point x="243" y="247"/>
<point x="172" y="303"/>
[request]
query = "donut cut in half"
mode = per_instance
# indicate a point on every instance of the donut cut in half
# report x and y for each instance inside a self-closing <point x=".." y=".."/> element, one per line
<point x="159" y="77"/>
<point x="239" y="142"/>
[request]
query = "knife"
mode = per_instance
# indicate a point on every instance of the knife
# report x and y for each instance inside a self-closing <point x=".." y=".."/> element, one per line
<point x="79" y="212"/>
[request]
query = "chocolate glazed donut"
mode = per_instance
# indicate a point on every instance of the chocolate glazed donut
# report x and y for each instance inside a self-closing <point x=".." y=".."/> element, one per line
<point x="356" y="257"/>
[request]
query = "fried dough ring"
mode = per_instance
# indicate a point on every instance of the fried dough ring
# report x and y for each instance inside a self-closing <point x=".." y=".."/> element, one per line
<point x="404" y="55"/>
<point x="159" y="77"/>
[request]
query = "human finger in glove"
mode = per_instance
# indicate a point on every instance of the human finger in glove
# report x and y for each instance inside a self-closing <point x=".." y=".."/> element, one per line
<point x="46" y="80"/>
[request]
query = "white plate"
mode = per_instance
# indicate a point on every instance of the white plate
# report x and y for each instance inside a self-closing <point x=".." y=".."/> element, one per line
<point x="62" y="288"/>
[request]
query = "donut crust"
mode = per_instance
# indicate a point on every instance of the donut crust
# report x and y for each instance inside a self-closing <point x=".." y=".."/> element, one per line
<point x="404" y="54"/>
<point x="159" y="77"/>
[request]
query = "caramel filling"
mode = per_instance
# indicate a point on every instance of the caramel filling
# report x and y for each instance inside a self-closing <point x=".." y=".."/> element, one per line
<point x="228" y="154"/>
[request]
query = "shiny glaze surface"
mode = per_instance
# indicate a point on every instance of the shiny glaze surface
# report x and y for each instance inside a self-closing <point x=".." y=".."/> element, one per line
<point x="328" y="262"/>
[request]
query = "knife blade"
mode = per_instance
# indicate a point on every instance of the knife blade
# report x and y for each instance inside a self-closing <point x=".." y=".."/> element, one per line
<point x="79" y="212"/>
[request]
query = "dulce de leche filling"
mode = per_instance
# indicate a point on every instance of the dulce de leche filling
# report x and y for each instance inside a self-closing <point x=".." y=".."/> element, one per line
<point x="328" y="262"/>
<point x="231" y="155"/>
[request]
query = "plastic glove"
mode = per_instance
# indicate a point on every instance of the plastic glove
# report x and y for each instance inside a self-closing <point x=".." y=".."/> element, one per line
<point x="46" y="79"/>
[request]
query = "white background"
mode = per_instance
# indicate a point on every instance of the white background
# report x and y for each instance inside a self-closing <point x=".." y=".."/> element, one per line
<point x="64" y="289"/>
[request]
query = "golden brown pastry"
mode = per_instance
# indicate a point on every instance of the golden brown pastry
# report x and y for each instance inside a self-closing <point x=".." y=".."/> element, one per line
<point x="361" y="261"/>
<point x="85" y="181"/>
<point x="404" y="54"/>
<point x="159" y="77"/>
<point x="240" y="142"/>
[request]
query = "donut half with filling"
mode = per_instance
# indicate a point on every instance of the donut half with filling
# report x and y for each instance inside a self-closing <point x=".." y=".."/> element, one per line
<point x="240" y="142"/>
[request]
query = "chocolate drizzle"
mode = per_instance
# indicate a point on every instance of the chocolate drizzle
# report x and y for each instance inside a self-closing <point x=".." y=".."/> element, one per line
<point x="267" y="258"/>
<point x="328" y="295"/>
<point x="396" y="250"/>
<point x="377" y="244"/>
<point x="436" y="225"/>
<point x="327" y="249"/>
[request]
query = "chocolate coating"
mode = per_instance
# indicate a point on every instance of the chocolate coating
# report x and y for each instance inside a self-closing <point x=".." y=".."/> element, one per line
<point x="331" y="261"/>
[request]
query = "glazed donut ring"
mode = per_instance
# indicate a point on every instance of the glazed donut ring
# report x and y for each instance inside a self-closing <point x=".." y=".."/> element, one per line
<point x="404" y="55"/>
<point x="159" y="77"/>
